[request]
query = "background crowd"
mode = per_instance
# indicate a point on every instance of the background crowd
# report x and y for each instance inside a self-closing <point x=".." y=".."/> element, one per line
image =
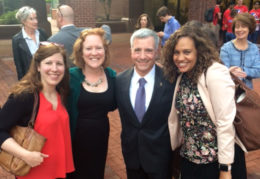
<point x="183" y="104"/>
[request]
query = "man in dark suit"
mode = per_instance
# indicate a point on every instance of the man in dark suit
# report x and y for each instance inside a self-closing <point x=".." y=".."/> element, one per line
<point x="145" y="136"/>
<point x="68" y="32"/>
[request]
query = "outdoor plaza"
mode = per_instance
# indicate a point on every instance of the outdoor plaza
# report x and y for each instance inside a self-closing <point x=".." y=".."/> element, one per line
<point x="120" y="60"/>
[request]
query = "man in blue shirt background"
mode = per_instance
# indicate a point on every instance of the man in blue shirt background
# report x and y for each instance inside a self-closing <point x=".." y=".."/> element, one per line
<point x="171" y="24"/>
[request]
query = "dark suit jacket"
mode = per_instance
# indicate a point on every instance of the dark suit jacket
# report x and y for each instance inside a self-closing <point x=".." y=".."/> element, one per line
<point x="146" y="144"/>
<point x="67" y="36"/>
<point x="22" y="54"/>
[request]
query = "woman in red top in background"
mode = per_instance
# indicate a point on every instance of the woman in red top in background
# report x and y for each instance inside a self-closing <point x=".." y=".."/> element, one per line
<point x="225" y="18"/>
<point x="217" y="13"/>
<point x="47" y="76"/>
<point x="256" y="13"/>
<point x="229" y="34"/>
<point x="240" y="7"/>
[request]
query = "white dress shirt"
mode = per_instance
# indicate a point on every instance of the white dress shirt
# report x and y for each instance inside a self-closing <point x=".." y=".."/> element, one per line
<point x="33" y="47"/>
<point x="149" y="85"/>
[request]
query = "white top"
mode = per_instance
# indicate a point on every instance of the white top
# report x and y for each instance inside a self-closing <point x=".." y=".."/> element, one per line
<point x="33" y="47"/>
<point x="67" y="25"/>
<point x="149" y="85"/>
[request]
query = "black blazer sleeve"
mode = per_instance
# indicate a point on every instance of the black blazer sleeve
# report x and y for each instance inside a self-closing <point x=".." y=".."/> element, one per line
<point x="17" y="58"/>
<point x="16" y="111"/>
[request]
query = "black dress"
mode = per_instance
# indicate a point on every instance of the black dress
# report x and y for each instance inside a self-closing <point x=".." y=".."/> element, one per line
<point x="91" y="138"/>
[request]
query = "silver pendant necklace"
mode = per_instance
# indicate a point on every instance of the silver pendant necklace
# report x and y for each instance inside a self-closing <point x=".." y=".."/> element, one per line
<point x="93" y="84"/>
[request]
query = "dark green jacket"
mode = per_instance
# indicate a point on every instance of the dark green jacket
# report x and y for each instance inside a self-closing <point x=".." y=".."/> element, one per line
<point x="76" y="78"/>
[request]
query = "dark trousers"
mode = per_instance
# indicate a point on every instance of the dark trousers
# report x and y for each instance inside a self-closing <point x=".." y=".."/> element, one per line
<point x="190" y="170"/>
<point x="141" y="174"/>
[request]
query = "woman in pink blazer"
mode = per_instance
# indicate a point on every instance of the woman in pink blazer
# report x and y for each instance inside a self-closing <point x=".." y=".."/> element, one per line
<point x="203" y="108"/>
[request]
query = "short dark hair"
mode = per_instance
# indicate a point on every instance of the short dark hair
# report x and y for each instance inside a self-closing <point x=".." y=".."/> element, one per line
<point x="257" y="2"/>
<point x="218" y="2"/>
<point x="162" y="11"/>
<point x="246" y="19"/>
<point x="231" y="3"/>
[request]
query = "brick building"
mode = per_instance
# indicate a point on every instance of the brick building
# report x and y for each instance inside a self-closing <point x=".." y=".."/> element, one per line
<point x="91" y="13"/>
<point x="123" y="13"/>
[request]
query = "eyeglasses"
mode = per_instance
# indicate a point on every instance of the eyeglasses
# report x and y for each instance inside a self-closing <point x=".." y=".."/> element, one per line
<point x="60" y="10"/>
<point x="46" y="43"/>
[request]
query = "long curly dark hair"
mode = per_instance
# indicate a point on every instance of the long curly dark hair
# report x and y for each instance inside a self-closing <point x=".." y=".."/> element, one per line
<point x="206" y="52"/>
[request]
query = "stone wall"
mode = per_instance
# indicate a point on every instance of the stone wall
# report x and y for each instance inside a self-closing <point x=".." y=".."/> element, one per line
<point x="8" y="31"/>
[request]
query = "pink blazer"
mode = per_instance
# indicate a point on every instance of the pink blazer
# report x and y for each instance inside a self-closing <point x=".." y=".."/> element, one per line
<point x="217" y="92"/>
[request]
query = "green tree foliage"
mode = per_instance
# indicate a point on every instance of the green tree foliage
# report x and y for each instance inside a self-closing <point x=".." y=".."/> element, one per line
<point x="10" y="5"/>
<point x="107" y="7"/>
<point x="9" y="18"/>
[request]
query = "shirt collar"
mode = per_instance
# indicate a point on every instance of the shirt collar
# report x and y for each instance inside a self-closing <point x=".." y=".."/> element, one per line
<point x="148" y="77"/>
<point x="26" y="36"/>
<point x="68" y="25"/>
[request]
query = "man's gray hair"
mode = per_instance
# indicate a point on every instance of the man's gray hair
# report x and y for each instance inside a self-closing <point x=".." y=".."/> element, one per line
<point x="144" y="33"/>
<point x="24" y="12"/>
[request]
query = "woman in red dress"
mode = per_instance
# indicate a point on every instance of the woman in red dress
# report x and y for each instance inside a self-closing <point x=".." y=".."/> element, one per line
<point x="48" y="77"/>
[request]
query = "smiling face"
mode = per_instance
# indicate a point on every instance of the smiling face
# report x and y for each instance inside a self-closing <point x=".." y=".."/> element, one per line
<point x="93" y="51"/>
<point x="31" y="22"/>
<point x="52" y="70"/>
<point x="143" y="22"/>
<point x="185" y="54"/>
<point x="143" y="54"/>
<point x="241" y="31"/>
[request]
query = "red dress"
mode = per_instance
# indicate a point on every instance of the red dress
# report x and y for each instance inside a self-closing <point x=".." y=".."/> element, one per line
<point x="54" y="125"/>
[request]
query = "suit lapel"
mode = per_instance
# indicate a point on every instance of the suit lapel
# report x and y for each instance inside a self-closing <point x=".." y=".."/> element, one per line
<point x="23" y="45"/>
<point x="158" y="90"/>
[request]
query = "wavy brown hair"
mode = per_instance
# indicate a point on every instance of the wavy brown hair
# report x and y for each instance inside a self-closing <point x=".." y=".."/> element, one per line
<point x="31" y="82"/>
<point x="206" y="52"/>
<point x="246" y="19"/>
<point x="77" y="54"/>
<point x="149" y="22"/>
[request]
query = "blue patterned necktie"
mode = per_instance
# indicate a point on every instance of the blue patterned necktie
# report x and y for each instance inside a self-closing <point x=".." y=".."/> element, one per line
<point x="140" y="100"/>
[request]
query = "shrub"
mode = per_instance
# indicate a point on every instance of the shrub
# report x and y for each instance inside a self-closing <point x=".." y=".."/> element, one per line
<point x="9" y="18"/>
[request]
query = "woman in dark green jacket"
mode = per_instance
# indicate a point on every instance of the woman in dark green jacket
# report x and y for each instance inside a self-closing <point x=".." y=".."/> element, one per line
<point x="91" y="98"/>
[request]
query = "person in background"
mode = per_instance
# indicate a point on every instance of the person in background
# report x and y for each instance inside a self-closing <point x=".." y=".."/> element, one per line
<point x="171" y="24"/>
<point x="48" y="76"/>
<point x="203" y="108"/>
<point x="240" y="55"/>
<point x="91" y="98"/>
<point x="256" y="13"/>
<point x="68" y="32"/>
<point x="217" y="13"/>
<point x="229" y="34"/>
<point x="144" y="21"/>
<point x="26" y="42"/>
<point x="240" y="7"/>
<point x="144" y="101"/>
<point x="225" y="18"/>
